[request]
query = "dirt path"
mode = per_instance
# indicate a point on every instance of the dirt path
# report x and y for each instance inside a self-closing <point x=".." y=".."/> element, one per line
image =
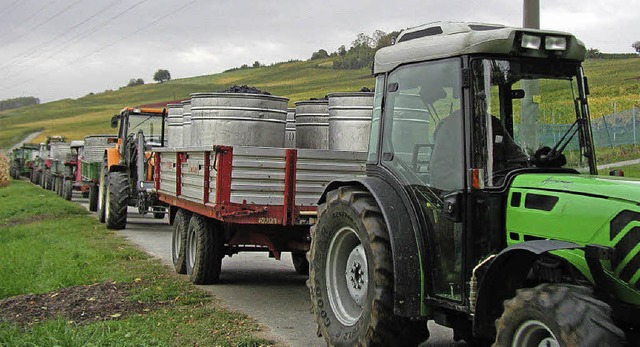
<point x="25" y="140"/>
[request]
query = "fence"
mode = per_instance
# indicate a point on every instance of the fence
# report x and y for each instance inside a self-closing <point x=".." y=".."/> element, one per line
<point x="621" y="128"/>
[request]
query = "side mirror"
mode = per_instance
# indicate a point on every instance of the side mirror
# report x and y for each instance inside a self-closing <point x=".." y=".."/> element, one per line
<point x="453" y="207"/>
<point x="114" y="121"/>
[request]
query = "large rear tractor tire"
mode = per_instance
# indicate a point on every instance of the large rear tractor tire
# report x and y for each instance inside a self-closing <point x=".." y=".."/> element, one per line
<point x="93" y="197"/>
<point x="300" y="262"/>
<point x="351" y="275"/>
<point x="179" y="240"/>
<point x="557" y="315"/>
<point x="117" y="200"/>
<point x="204" y="251"/>
<point x="67" y="189"/>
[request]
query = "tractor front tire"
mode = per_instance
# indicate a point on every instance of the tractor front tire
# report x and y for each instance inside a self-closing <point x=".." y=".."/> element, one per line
<point x="351" y="237"/>
<point x="93" y="197"/>
<point x="117" y="200"/>
<point x="557" y="315"/>
<point x="204" y="251"/>
<point x="179" y="240"/>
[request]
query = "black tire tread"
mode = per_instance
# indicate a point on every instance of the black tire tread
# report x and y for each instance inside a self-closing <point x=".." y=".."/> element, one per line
<point x="384" y="329"/>
<point x="93" y="198"/>
<point x="118" y="191"/>
<point x="208" y="257"/>
<point x="582" y="319"/>
<point x="180" y="225"/>
<point x="67" y="189"/>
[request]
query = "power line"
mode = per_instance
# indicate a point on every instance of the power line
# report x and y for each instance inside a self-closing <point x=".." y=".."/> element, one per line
<point x="76" y="38"/>
<point x="159" y="19"/>
<point x="24" y="56"/>
<point x="65" y="9"/>
<point x="9" y="8"/>
<point x="33" y="15"/>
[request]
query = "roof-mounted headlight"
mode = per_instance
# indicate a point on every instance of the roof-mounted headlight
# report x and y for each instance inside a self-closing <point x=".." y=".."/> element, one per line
<point x="555" y="43"/>
<point x="530" y="41"/>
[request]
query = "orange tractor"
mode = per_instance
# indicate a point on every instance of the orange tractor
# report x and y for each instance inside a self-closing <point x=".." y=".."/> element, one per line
<point x="128" y="167"/>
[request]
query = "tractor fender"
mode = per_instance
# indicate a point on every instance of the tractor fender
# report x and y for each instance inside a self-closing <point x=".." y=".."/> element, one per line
<point x="113" y="158"/>
<point x="403" y="239"/>
<point x="506" y="273"/>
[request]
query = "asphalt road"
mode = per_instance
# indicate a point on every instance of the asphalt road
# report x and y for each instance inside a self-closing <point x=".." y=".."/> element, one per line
<point x="266" y="289"/>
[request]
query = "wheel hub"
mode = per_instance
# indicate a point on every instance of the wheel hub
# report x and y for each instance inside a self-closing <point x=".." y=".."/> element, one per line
<point x="534" y="333"/>
<point x="347" y="278"/>
<point x="356" y="274"/>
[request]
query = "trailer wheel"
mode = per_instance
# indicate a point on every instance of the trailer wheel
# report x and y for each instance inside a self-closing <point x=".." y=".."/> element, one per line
<point x="179" y="240"/>
<point x="102" y="191"/>
<point x="203" y="251"/>
<point x="300" y="262"/>
<point x="67" y="189"/>
<point x="351" y="275"/>
<point x="117" y="200"/>
<point x="557" y="315"/>
<point x="93" y="197"/>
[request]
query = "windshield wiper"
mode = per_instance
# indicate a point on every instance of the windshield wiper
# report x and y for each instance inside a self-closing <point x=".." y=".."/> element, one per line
<point x="139" y="124"/>
<point x="553" y="157"/>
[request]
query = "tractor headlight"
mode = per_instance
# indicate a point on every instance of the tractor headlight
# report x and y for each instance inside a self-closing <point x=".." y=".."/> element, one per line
<point x="555" y="43"/>
<point x="530" y="41"/>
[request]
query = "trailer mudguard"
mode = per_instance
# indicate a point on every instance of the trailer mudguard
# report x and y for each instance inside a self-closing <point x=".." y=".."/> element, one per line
<point x="404" y="245"/>
<point x="506" y="273"/>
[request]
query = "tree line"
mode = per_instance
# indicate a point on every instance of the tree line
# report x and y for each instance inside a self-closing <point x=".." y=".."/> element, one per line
<point x="361" y="51"/>
<point x="10" y="104"/>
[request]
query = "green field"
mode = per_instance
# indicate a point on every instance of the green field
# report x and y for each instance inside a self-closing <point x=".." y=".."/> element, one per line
<point x="611" y="81"/>
<point x="52" y="250"/>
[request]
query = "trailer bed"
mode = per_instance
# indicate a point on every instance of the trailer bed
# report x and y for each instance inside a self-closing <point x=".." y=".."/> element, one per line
<point x="251" y="185"/>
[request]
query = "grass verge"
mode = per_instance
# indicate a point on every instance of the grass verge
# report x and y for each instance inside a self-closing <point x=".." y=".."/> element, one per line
<point x="48" y="245"/>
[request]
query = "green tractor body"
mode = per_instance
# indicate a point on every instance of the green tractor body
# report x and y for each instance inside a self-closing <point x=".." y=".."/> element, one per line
<point x="481" y="208"/>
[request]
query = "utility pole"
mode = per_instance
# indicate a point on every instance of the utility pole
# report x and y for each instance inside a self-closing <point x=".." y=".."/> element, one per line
<point x="531" y="14"/>
<point x="530" y="108"/>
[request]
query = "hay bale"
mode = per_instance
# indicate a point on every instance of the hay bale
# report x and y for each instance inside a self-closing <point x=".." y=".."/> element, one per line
<point x="5" y="179"/>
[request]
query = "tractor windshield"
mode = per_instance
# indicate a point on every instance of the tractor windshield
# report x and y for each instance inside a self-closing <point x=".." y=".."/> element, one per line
<point x="528" y="114"/>
<point x="150" y="124"/>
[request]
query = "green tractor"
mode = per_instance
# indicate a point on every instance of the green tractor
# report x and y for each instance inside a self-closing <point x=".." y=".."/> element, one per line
<point x="479" y="210"/>
<point x="21" y="160"/>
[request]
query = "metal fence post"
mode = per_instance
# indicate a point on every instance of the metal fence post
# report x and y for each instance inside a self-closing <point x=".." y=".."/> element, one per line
<point x="633" y="112"/>
<point x="606" y="128"/>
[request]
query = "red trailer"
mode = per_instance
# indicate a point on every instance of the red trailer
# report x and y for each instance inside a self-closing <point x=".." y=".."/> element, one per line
<point x="225" y="200"/>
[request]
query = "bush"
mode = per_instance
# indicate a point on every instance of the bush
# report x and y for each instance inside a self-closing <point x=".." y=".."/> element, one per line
<point x="4" y="171"/>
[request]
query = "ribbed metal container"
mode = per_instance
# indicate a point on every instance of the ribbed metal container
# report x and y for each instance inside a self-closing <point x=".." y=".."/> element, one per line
<point x="411" y="121"/>
<point x="59" y="150"/>
<point x="174" y="125"/>
<point x="186" y="123"/>
<point x="312" y="124"/>
<point x="350" y="121"/>
<point x="238" y="119"/>
<point x="94" y="146"/>
<point x="290" y="129"/>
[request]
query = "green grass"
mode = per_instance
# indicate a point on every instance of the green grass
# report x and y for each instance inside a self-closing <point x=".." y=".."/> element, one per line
<point x="47" y="243"/>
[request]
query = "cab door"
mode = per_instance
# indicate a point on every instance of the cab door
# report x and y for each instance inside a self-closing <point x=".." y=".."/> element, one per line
<point x="423" y="148"/>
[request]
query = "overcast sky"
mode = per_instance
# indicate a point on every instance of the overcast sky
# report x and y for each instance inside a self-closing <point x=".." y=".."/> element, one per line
<point x="55" y="49"/>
